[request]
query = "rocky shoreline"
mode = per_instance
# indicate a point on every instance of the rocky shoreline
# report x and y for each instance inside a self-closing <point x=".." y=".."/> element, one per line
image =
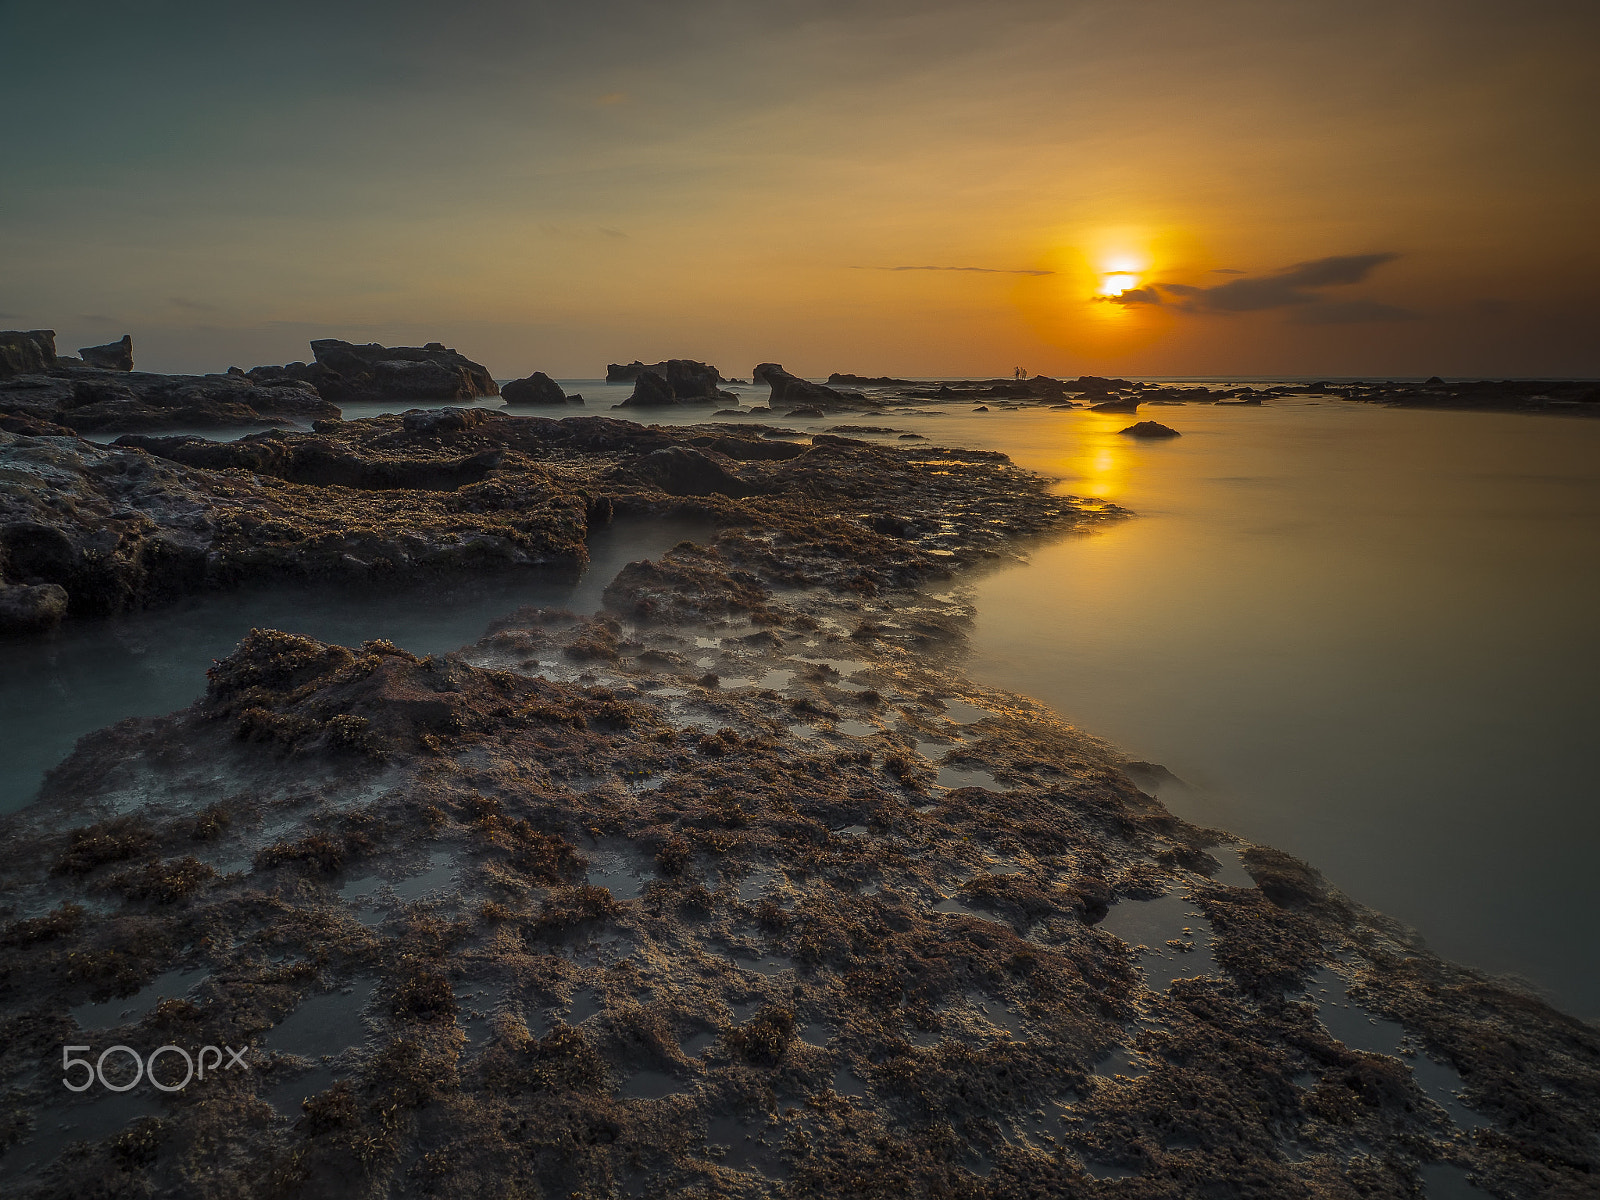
<point x="739" y="888"/>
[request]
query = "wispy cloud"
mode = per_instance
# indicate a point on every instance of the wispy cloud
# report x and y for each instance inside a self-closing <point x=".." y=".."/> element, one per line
<point x="189" y="305"/>
<point x="978" y="270"/>
<point x="1294" y="288"/>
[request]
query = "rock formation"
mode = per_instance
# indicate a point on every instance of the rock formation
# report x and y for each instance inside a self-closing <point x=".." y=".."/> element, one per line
<point x="683" y="368"/>
<point x="92" y="401"/>
<point x="650" y="390"/>
<point x="677" y="381"/>
<point x="344" y="373"/>
<point x="870" y="380"/>
<point x="537" y="388"/>
<point x="1150" y="429"/>
<point x="720" y="929"/>
<point x="791" y="390"/>
<point x="116" y="356"/>
<point x="146" y="519"/>
<point x="27" y="353"/>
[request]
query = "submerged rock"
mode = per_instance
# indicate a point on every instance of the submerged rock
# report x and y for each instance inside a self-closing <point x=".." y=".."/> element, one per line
<point x="117" y="356"/>
<point x="537" y="388"/>
<point x="1150" y="429"/>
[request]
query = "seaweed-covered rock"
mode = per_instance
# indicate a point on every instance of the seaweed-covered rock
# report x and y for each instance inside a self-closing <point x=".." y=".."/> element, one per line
<point x="34" y="609"/>
<point x="537" y="388"/>
<point x="115" y="356"/>
<point x="684" y="471"/>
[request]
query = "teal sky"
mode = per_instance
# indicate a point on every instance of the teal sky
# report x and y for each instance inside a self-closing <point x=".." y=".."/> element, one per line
<point x="551" y="188"/>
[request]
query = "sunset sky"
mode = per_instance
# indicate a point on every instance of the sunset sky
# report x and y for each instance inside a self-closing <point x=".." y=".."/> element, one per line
<point x="1149" y="187"/>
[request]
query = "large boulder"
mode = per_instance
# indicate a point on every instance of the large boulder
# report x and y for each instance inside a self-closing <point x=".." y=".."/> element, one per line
<point x="650" y="391"/>
<point x="537" y="388"/>
<point x="791" y="390"/>
<point x="676" y="381"/>
<point x="116" y="356"/>
<point x="1150" y="429"/>
<point x="27" y="353"/>
<point x="345" y="373"/>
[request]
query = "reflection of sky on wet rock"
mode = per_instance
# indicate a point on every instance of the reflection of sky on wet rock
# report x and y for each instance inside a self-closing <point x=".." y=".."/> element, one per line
<point x="168" y="986"/>
<point x="1153" y="924"/>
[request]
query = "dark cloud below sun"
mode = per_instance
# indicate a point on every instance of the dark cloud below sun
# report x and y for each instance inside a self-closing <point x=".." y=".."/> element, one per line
<point x="1294" y="288"/>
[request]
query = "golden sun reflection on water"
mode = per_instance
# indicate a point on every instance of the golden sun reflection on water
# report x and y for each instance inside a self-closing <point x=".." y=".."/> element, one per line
<point x="1096" y="465"/>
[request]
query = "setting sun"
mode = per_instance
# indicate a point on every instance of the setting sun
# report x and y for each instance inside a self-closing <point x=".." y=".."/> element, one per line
<point x="1117" y="282"/>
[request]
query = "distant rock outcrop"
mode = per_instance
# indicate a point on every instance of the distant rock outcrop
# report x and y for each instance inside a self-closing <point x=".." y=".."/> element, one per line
<point x="1150" y="429"/>
<point x="794" y="391"/>
<point x="677" y="381"/>
<point x="25" y="353"/>
<point x="869" y="380"/>
<point x="1123" y="404"/>
<point x="537" y="388"/>
<point x="345" y="373"/>
<point x="675" y="370"/>
<point x="115" y="356"/>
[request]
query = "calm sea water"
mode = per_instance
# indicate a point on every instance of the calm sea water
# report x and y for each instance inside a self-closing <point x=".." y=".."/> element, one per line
<point x="1368" y="636"/>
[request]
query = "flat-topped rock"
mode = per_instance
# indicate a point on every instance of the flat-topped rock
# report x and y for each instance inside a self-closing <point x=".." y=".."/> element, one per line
<point x="26" y="353"/>
<point x="94" y="401"/>
<point x="345" y="373"/>
<point x="677" y="370"/>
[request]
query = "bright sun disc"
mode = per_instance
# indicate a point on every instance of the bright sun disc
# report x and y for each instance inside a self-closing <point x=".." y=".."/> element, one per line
<point x="1117" y="282"/>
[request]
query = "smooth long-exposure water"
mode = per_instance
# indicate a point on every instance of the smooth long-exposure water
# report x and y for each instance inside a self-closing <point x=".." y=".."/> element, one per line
<point x="1368" y="636"/>
<point x="94" y="673"/>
